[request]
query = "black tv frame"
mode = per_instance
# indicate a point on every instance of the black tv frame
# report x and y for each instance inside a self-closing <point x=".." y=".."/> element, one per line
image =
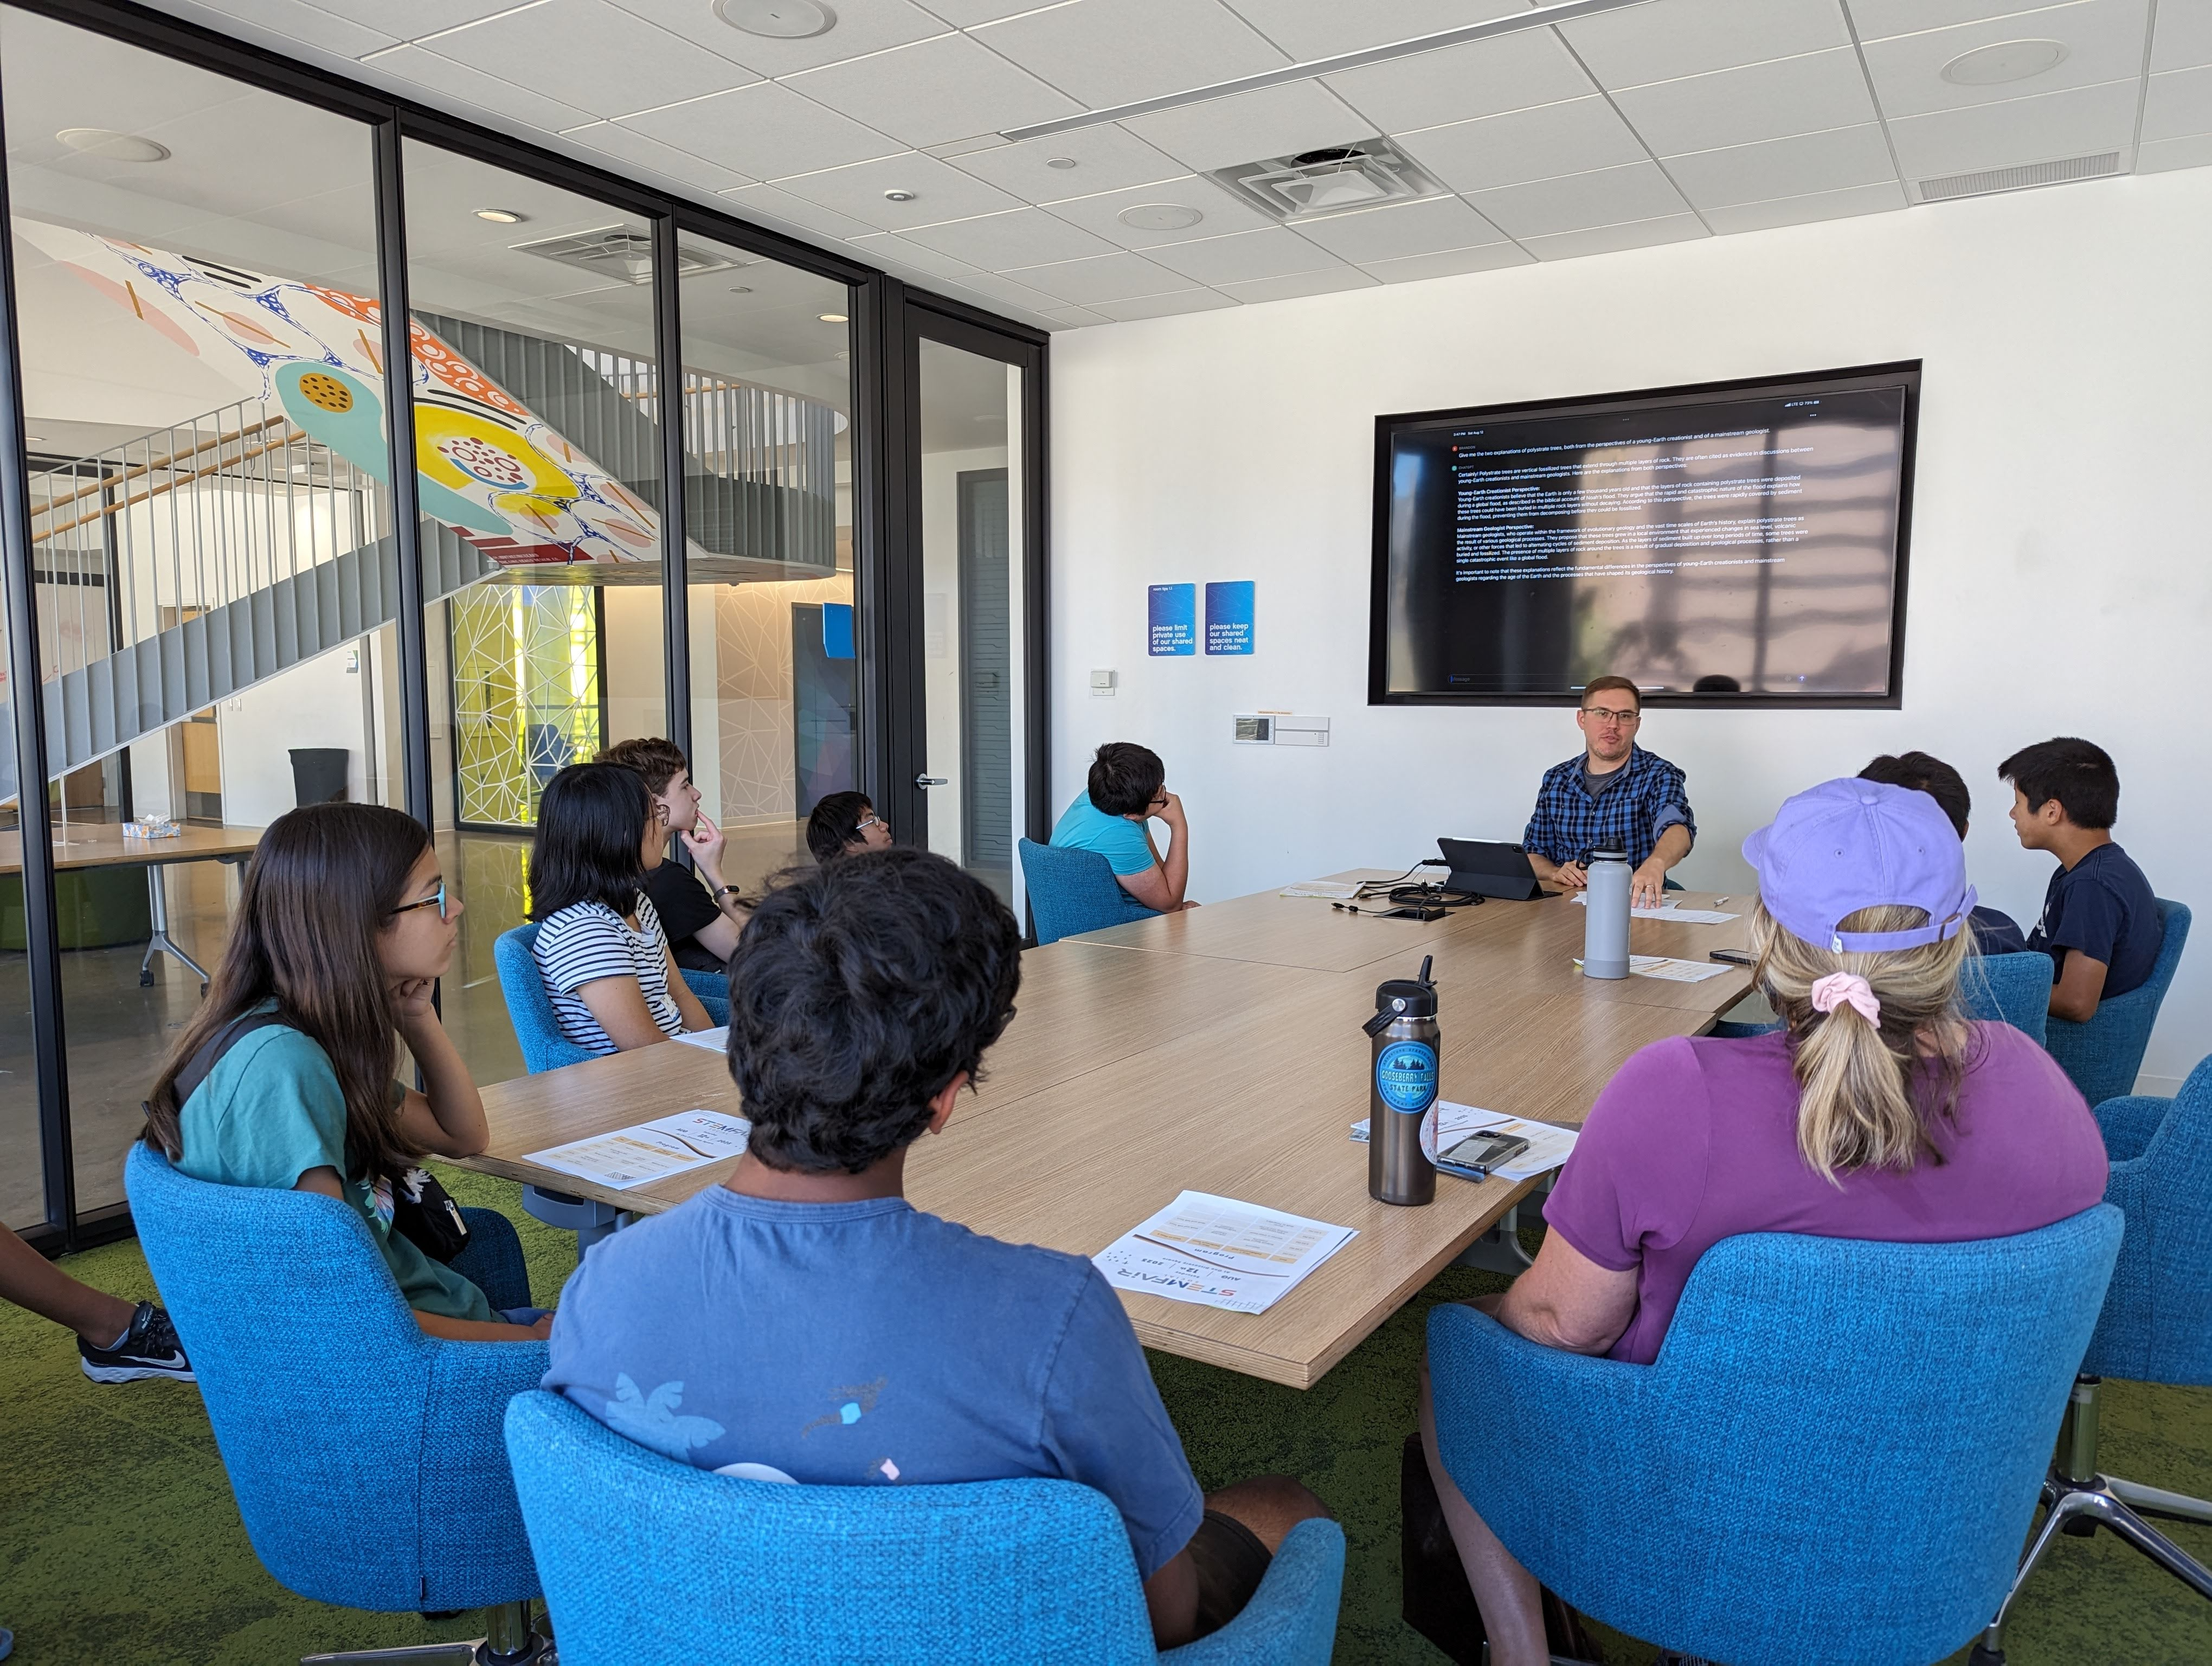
<point x="1847" y="379"/>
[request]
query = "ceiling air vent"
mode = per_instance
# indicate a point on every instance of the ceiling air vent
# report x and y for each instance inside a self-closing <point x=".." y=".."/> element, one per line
<point x="1332" y="181"/>
<point x="2020" y="179"/>
<point x="624" y="253"/>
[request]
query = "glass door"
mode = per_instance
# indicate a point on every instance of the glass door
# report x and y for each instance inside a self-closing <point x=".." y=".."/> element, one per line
<point x="972" y="473"/>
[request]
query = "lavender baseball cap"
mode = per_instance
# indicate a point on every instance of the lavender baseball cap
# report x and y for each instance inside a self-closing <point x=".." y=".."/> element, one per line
<point x="1848" y="845"/>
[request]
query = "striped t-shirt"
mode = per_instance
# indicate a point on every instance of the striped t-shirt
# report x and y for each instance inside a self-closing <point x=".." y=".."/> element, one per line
<point x="587" y="941"/>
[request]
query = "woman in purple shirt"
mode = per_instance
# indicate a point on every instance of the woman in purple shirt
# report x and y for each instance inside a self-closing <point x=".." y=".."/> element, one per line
<point x="1877" y="1111"/>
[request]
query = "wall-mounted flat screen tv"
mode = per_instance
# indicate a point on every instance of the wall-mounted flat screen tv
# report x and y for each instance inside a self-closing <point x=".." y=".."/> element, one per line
<point x="1736" y="543"/>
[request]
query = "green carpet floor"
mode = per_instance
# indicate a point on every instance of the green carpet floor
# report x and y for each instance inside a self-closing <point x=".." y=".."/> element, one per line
<point x="120" y="1544"/>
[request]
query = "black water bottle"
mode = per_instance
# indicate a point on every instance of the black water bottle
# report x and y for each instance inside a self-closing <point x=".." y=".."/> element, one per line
<point x="1401" y="1086"/>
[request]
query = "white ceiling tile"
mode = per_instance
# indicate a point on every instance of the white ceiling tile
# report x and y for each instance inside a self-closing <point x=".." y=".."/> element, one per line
<point x="1802" y="210"/>
<point x="1611" y="239"/>
<point x="1452" y="263"/>
<point x="1459" y="83"/>
<point x="1026" y="237"/>
<point x="862" y="27"/>
<point x="769" y="202"/>
<point x="1221" y="213"/>
<point x="1759" y="101"/>
<point x="765" y="130"/>
<point x="2184" y="36"/>
<point x="1695" y="37"/>
<point x="1105" y="277"/>
<point x="887" y="248"/>
<point x="1074" y="318"/>
<point x="1244" y="256"/>
<point x="1552" y="139"/>
<point x="408" y="18"/>
<point x="946" y="89"/>
<point x="466" y="90"/>
<point x="1403" y="230"/>
<point x="1006" y="292"/>
<point x="1299" y="284"/>
<point x="2179" y="104"/>
<point x="632" y="65"/>
<point x="1877" y="20"/>
<point x="1113" y="52"/>
<point x="1309" y="29"/>
<point x="629" y="150"/>
<point x="311" y="25"/>
<point x="941" y="192"/>
<point x="952" y="148"/>
<point x="1784" y="167"/>
<point x="1182" y="300"/>
<point x="966" y="14"/>
<point x="1106" y="158"/>
<point x="1613" y="196"/>
<point x="2082" y="122"/>
<point x="2159" y="156"/>
<point x="2103" y="39"/>
<point x="1276" y="121"/>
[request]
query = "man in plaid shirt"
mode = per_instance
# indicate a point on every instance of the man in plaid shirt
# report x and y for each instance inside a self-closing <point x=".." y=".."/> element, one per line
<point x="1615" y="796"/>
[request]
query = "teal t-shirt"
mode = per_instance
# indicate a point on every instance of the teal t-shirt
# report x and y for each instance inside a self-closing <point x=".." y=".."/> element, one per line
<point x="1119" y="840"/>
<point x="270" y="1110"/>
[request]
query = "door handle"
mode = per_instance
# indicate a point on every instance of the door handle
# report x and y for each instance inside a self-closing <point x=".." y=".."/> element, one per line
<point x="931" y="781"/>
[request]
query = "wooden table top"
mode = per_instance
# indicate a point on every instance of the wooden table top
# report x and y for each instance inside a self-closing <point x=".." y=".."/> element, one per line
<point x="1131" y="1072"/>
<point x="105" y="844"/>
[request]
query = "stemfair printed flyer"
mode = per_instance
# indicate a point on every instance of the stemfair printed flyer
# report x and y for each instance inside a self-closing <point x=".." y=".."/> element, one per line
<point x="1217" y="1252"/>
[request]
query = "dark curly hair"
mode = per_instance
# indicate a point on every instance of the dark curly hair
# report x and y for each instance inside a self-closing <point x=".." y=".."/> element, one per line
<point x="857" y="991"/>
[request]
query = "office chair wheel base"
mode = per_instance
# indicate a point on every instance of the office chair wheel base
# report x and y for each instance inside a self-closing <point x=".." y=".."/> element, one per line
<point x="1982" y="1656"/>
<point x="145" y="977"/>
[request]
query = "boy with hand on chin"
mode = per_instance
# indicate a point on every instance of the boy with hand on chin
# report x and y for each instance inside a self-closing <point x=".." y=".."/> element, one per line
<point x="702" y="920"/>
<point x="804" y="1323"/>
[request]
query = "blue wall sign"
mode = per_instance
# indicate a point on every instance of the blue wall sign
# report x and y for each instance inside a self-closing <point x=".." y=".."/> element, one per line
<point x="1229" y="617"/>
<point x="1171" y="619"/>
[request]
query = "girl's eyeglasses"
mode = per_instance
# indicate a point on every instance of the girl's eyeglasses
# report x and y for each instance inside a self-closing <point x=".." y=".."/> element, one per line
<point x="436" y="900"/>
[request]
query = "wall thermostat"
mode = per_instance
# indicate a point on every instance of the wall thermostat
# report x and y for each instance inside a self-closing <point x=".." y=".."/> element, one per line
<point x="1281" y="729"/>
<point x="1101" y="682"/>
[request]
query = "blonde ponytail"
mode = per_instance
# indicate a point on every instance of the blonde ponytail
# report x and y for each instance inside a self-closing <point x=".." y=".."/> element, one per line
<point x="1864" y="1097"/>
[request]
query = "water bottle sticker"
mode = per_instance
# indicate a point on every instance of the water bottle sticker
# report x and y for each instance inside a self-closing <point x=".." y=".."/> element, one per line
<point x="1406" y="1075"/>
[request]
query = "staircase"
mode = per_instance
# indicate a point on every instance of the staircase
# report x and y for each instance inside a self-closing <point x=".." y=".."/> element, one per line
<point x="196" y="561"/>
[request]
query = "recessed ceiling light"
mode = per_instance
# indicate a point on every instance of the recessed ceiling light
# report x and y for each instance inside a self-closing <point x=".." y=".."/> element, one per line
<point x="833" y="318"/>
<point x="1060" y="162"/>
<point x="502" y="216"/>
<point x="1158" y="217"/>
<point x="112" y="147"/>
<point x="896" y="195"/>
<point x="2006" y="61"/>
<point x="778" y="20"/>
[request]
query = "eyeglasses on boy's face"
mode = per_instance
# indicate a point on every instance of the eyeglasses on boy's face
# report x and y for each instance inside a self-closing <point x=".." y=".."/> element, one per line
<point x="436" y="900"/>
<point x="867" y="822"/>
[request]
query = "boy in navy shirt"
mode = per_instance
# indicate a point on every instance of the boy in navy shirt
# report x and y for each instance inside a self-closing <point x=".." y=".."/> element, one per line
<point x="2100" y="922"/>
<point x="804" y="1323"/>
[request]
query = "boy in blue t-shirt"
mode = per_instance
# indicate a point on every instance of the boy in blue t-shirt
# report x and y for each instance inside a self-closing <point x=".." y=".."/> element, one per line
<point x="803" y="1323"/>
<point x="2100" y="922"/>
<point x="1126" y="788"/>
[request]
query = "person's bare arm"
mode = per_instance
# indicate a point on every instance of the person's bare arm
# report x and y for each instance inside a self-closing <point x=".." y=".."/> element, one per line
<point x="447" y="1116"/>
<point x="324" y="1182"/>
<point x="2081" y="986"/>
<point x="719" y="937"/>
<point x="687" y="1003"/>
<point x="1171" y="1597"/>
<point x="1567" y="1301"/>
<point x="1161" y="886"/>
<point x="1559" y="876"/>
<point x="1650" y="883"/>
<point x="619" y="1005"/>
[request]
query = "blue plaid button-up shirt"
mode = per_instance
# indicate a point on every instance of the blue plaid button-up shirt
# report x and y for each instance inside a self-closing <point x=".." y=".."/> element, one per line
<point x="1630" y="815"/>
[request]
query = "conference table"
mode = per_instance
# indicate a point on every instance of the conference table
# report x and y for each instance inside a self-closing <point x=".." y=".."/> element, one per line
<point x="79" y="845"/>
<point x="1216" y="1050"/>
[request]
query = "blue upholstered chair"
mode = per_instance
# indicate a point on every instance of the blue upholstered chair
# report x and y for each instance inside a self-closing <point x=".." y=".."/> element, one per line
<point x="530" y="1009"/>
<point x="2103" y="1055"/>
<point x="648" y="1560"/>
<point x="1835" y="1457"/>
<point x="2156" y="1326"/>
<point x="365" y="1455"/>
<point x="1075" y="891"/>
<point x="2008" y="988"/>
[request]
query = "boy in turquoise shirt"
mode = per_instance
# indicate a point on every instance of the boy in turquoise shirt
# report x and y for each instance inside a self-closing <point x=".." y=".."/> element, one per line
<point x="1128" y="788"/>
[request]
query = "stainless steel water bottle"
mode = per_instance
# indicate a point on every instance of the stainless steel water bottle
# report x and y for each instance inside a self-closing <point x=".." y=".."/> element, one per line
<point x="1605" y="932"/>
<point x="1401" y="1086"/>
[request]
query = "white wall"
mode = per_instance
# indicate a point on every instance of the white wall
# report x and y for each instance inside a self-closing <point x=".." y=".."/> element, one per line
<point x="2061" y="562"/>
<point x="317" y="704"/>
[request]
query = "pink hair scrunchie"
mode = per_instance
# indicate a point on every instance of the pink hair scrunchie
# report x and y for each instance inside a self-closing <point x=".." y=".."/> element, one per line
<point x="1847" y="989"/>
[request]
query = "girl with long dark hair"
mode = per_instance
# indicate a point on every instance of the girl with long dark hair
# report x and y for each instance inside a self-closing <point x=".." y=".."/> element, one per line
<point x="343" y="927"/>
<point x="600" y="948"/>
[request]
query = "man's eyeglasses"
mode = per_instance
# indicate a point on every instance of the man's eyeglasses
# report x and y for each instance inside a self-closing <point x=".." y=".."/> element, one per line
<point x="1599" y="713"/>
<point x="436" y="900"/>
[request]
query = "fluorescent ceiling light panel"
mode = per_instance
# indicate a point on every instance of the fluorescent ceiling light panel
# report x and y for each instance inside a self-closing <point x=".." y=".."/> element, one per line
<point x="1513" y="23"/>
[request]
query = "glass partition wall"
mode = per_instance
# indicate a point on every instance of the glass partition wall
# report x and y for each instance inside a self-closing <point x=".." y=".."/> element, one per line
<point x="238" y="599"/>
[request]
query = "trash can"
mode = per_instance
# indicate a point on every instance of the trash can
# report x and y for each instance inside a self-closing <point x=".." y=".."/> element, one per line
<point x="318" y="773"/>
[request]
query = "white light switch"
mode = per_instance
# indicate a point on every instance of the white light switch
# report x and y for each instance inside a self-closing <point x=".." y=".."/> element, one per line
<point x="1101" y="683"/>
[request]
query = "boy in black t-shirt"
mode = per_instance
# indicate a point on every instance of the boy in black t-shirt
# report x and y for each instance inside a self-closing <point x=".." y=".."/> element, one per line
<point x="2101" y="920"/>
<point x="701" y="921"/>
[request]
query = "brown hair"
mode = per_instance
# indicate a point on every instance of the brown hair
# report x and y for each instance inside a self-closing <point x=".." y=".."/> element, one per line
<point x="323" y="885"/>
<point x="1867" y="1094"/>
<point x="655" y="759"/>
<point x="1599" y="685"/>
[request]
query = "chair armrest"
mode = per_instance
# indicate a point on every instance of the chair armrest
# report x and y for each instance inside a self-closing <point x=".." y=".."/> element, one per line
<point x="1291" y="1619"/>
<point x="2129" y="1123"/>
<point x="475" y="1552"/>
<point x="713" y="990"/>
